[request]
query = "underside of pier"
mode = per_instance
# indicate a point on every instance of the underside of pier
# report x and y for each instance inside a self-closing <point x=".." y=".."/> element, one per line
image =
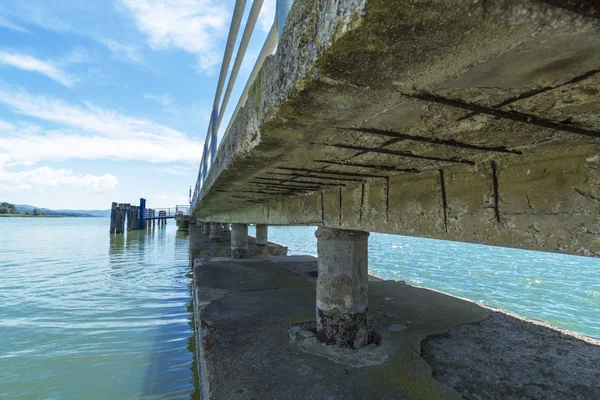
<point x="475" y="121"/>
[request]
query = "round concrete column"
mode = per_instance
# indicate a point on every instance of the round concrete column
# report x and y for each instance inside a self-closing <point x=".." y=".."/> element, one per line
<point x="239" y="240"/>
<point x="342" y="287"/>
<point x="262" y="235"/>
<point x="215" y="232"/>
<point x="206" y="228"/>
<point x="226" y="228"/>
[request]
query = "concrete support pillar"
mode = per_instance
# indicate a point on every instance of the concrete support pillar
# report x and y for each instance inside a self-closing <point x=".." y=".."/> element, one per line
<point x="262" y="235"/>
<point x="215" y="232"/>
<point x="226" y="228"/>
<point x="239" y="240"/>
<point x="342" y="287"/>
<point x="206" y="228"/>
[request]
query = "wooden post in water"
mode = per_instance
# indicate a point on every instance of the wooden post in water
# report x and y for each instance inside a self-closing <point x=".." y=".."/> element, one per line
<point x="120" y="218"/>
<point x="113" y="215"/>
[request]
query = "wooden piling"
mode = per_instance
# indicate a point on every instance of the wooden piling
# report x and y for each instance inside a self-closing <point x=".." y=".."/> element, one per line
<point x="120" y="218"/>
<point x="134" y="217"/>
<point x="113" y="209"/>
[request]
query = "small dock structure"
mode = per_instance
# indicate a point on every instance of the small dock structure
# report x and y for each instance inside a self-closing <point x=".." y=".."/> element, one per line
<point x="125" y="216"/>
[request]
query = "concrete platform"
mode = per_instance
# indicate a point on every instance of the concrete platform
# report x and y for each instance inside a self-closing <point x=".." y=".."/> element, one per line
<point x="438" y="346"/>
<point x="202" y="247"/>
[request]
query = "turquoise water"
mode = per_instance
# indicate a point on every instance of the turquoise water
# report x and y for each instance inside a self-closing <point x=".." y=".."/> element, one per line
<point x="560" y="289"/>
<point x="86" y="315"/>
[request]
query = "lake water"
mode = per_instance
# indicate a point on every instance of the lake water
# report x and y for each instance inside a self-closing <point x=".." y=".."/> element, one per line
<point x="84" y="314"/>
<point x="87" y="315"/>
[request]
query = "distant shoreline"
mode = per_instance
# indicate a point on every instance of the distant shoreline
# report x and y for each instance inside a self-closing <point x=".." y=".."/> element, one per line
<point x="29" y="216"/>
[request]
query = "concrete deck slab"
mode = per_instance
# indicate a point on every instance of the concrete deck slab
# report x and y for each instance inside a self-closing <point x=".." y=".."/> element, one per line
<point x="245" y="308"/>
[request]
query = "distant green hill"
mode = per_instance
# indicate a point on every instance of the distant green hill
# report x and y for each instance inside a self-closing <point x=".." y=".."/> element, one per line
<point x="23" y="208"/>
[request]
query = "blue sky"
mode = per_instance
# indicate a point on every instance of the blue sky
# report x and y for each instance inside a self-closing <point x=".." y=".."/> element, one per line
<point x="109" y="100"/>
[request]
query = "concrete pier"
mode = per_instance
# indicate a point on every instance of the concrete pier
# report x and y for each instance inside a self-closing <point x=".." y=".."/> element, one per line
<point x="432" y="346"/>
<point x="342" y="287"/>
<point x="239" y="241"/>
<point x="262" y="234"/>
<point x="206" y="228"/>
<point x="215" y="232"/>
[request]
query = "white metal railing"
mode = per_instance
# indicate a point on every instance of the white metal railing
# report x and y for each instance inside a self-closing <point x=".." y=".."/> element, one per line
<point x="220" y="105"/>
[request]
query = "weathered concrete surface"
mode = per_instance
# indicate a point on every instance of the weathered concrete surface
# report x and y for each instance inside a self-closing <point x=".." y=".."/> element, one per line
<point x="202" y="247"/>
<point x="465" y="120"/>
<point x="543" y="362"/>
<point x="244" y="309"/>
<point x="262" y="234"/>
<point x="239" y="241"/>
<point x="342" y="287"/>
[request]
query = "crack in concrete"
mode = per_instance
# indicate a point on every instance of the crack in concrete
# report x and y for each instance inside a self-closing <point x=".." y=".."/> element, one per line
<point x="444" y="200"/>
<point x="587" y="195"/>
<point x="329" y="172"/>
<point x="529" y="200"/>
<point x="402" y="154"/>
<point x="496" y="190"/>
<point x="535" y="92"/>
<point x="443" y="142"/>
<point x="369" y="166"/>
<point x="510" y="115"/>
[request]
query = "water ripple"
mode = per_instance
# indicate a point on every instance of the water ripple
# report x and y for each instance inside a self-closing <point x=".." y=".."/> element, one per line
<point x="84" y="315"/>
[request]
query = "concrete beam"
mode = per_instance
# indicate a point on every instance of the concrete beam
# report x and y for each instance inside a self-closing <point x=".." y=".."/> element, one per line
<point x="546" y="202"/>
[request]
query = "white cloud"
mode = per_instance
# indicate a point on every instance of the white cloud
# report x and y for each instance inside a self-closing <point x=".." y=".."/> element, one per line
<point x="165" y="99"/>
<point x="15" y="187"/>
<point x="267" y="15"/>
<point x="5" y="23"/>
<point x="175" y="170"/>
<point x="165" y="200"/>
<point x="29" y="63"/>
<point x="45" y="176"/>
<point x="190" y="25"/>
<point x="88" y="132"/>
<point x="122" y="51"/>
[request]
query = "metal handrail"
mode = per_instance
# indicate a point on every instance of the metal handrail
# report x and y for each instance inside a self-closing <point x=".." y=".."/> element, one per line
<point x="210" y="143"/>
